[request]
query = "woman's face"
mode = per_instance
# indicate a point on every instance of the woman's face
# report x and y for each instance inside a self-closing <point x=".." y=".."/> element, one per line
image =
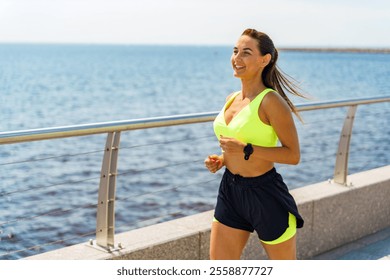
<point x="247" y="62"/>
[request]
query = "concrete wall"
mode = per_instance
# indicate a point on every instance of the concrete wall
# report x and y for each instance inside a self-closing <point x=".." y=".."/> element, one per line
<point x="334" y="215"/>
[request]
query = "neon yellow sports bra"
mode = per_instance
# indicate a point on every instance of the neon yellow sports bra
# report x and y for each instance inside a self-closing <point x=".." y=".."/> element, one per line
<point x="246" y="126"/>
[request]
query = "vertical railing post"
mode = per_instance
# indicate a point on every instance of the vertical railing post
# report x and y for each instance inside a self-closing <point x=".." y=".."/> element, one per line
<point x="341" y="165"/>
<point x="105" y="218"/>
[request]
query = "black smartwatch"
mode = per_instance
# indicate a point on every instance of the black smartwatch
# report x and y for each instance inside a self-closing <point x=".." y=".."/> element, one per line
<point x="248" y="150"/>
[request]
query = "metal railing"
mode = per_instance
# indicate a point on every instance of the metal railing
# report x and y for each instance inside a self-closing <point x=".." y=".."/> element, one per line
<point x="105" y="221"/>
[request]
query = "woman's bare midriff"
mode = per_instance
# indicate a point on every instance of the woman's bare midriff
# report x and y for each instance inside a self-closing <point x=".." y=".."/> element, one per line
<point x="246" y="168"/>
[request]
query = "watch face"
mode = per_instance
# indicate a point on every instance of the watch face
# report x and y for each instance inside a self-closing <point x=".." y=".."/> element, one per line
<point x="248" y="149"/>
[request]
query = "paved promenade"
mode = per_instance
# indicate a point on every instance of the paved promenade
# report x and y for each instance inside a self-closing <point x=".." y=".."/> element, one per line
<point x="373" y="247"/>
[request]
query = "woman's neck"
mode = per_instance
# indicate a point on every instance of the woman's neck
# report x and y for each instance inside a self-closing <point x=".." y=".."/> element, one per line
<point x="250" y="89"/>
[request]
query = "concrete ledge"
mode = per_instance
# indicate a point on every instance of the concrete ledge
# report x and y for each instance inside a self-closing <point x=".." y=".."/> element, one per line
<point x="334" y="215"/>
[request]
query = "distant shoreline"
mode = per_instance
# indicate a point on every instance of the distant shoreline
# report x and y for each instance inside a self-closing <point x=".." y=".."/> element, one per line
<point x="340" y="50"/>
<point x="291" y="49"/>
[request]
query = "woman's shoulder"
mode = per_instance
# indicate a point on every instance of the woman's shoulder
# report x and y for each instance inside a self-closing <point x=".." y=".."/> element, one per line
<point x="231" y="95"/>
<point x="274" y="102"/>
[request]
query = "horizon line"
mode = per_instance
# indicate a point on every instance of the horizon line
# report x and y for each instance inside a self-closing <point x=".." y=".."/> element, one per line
<point x="283" y="48"/>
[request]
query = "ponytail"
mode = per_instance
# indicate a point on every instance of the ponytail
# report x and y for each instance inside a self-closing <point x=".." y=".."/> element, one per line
<point x="272" y="76"/>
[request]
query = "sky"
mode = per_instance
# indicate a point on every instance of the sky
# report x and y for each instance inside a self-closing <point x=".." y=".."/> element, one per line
<point x="290" y="23"/>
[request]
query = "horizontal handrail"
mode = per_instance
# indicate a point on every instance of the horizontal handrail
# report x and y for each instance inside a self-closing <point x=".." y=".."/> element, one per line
<point x="104" y="127"/>
<point x="341" y="103"/>
<point x="125" y="125"/>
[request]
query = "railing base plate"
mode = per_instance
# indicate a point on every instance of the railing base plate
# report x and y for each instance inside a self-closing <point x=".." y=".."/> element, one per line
<point x="110" y="249"/>
<point x="346" y="184"/>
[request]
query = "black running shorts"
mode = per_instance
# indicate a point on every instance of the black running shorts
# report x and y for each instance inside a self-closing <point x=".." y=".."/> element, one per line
<point x="258" y="203"/>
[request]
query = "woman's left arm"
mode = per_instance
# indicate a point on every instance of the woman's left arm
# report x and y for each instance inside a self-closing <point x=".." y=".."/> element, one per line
<point x="279" y="116"/>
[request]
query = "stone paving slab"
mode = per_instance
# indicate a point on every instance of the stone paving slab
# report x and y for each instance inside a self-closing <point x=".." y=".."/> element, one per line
<point x="373" y="247"/>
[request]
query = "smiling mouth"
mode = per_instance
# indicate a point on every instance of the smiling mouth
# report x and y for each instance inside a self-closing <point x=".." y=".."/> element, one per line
<point x="239" y="67"/>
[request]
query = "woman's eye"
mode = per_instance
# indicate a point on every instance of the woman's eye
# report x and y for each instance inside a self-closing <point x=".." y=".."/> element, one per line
<point x="235" y="52"/>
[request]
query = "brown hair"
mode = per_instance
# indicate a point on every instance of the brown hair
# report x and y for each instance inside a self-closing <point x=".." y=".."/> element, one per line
<point x="272" y="76"/>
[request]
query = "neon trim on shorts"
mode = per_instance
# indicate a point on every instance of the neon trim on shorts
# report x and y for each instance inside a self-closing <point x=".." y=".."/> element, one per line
<point x="289" y="233"/>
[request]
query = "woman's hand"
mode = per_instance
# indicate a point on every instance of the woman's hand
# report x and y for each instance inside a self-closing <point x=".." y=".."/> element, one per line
<point x="231" y="145"/>
<point x="214" y="163"/>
